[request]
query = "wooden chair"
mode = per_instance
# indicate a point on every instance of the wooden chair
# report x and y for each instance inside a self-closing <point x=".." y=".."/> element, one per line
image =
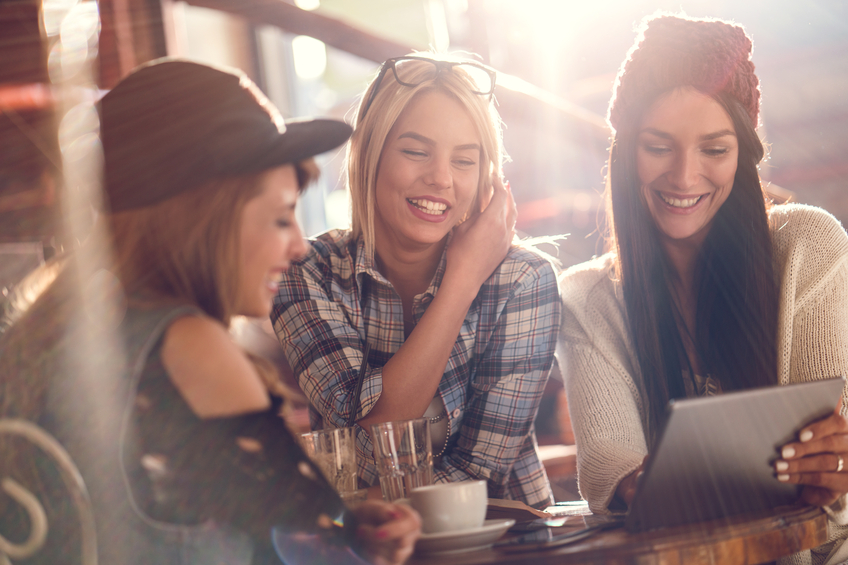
<point x="73" y="482"/>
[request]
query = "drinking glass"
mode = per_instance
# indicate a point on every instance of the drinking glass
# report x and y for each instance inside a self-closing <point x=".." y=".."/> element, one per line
<point x="403" y="455"/>
<point x="334" y="452"/>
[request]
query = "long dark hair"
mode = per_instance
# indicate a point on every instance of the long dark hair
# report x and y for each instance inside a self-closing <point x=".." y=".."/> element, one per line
<point x="736" y="316"/>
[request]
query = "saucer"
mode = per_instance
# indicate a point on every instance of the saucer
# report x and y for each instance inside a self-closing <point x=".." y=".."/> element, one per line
<point x="464" y="540"/>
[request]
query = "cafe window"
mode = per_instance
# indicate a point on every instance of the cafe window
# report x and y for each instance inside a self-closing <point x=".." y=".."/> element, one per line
<point x="303" y="76"/>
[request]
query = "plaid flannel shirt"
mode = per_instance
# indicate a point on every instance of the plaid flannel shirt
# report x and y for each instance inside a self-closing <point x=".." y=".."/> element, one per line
<point x="494" y="378"/>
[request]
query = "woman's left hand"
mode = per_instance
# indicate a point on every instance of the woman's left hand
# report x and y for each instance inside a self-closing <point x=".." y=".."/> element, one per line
<point x="819" y="460"/>
<point x="387" y="531"/>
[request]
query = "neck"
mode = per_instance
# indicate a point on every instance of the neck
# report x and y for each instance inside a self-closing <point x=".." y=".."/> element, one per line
<point x="682" y="255"/>
<point x="410" y="268"/>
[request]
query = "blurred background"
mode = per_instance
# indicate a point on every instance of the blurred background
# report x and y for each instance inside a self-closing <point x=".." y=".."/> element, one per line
<point x="557" y="60"/>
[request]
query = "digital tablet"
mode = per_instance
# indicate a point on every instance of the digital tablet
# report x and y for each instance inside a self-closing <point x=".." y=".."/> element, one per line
<point x="714" y="455"/>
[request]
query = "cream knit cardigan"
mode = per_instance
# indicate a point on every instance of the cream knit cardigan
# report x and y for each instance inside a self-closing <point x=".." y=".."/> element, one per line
<point x="600" y="365"/>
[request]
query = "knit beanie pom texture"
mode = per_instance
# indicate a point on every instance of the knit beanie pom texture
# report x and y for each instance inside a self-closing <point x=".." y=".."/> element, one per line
<point x="672" y="51"/>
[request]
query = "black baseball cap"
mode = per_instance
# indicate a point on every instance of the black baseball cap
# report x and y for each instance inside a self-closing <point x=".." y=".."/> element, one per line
<point x="172" y="125"/>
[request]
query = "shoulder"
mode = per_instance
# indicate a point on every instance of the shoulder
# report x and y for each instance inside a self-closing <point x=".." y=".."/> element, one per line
<point x="809" y="245"/>
<point x="333" y="251"/>
<point x="593" y="277"/>
<point x="524" y="267"/>
<point x="809" y="226"/>
<point x="331" y="245"/>
<point x="212" y="374"/>
<point x="331" y="258"/>
<point x="592" y="302"/>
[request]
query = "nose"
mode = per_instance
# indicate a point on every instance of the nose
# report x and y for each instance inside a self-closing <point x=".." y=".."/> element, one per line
<point x="685" y="172"/>
<point x="439" y="174"/>
<point x="298" y="246"/>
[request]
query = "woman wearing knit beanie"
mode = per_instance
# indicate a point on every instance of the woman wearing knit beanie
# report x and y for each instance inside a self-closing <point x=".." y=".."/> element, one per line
<point x="707" y="286"/>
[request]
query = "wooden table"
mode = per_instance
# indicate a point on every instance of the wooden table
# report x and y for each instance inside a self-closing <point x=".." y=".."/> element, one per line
<point x="745" y="540"/>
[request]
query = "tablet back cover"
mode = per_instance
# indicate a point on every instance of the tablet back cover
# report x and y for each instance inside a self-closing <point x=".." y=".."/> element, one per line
<point x="714" y="455"/>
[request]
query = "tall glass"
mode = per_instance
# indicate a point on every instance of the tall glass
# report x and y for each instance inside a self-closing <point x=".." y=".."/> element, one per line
<point x="334" y="452"/>
<point x="403" y="455"/>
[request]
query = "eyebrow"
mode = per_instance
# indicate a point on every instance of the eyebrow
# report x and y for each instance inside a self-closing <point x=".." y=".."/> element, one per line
<point x="707" y="137"/>
<point x="428" y="141"/>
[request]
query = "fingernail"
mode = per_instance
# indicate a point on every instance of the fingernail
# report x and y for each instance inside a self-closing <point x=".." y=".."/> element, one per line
<point x="506" y="185"/>
<point x="806" y="435"/>
<point x="394" y="515"/>
<point x="783" y="478"/>
<point x="788" y="452"/>
<point x="382" y="534"/>
<point x="781" y="466"/>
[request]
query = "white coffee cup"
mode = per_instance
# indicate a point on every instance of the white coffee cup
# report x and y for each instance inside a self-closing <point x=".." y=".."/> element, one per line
<point x="450" y="506"/>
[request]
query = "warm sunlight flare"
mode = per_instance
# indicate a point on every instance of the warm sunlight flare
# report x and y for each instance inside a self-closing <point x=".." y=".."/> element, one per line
<point x="310" y="57"/>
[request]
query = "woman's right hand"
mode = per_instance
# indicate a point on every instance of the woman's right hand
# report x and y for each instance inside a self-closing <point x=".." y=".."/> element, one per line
<point x="627" y="487"/>
<point x="388" y="531"/>
<point x="481" y="243"/>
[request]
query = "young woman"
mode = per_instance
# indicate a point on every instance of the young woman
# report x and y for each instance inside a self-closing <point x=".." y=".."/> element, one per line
<point x="461" y="325"/>
<point x="174" y="428"/>
<point x="707" y="287"/>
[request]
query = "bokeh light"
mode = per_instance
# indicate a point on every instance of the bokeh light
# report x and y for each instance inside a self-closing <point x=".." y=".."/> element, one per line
<point x="310" y="57"/>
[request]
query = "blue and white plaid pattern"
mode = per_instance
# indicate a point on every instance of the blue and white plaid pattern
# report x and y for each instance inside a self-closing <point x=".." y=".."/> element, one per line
<point x="494" y="378"/>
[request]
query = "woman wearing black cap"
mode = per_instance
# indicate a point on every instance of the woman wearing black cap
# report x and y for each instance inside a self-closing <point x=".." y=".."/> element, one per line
<point x="708" y="287"/>
<point x="171" y="424"/>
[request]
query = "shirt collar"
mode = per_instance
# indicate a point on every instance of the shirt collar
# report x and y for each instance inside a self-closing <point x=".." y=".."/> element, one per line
<point x="366" y="264"/>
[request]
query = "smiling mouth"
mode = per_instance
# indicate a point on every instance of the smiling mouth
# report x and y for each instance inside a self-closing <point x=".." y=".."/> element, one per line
<point x="680" y="203"/>
<point x="428" y="206"/>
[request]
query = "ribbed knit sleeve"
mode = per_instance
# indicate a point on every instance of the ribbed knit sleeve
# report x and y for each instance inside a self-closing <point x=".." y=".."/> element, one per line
<point x="597" y="362"/>
<point x="811" y="261"/>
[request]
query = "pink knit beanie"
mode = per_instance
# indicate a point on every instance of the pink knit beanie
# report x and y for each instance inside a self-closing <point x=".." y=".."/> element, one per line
<point x="710" y="55"/>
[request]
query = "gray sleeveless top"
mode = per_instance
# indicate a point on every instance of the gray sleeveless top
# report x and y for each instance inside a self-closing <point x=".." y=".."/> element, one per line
<point x="167" y="487"/>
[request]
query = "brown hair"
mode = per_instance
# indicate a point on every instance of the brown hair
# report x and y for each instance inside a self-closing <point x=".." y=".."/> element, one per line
<point x="736" y="316"/>
<point x="182" y="250"/>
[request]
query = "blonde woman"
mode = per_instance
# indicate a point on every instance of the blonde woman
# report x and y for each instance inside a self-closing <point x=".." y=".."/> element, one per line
<point x="173" y="426"/>
<point x="460" y="324"/>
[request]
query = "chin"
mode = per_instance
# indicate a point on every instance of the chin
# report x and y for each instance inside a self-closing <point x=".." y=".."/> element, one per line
<point x="681" y="233"/>
<point x="257" y="310"/>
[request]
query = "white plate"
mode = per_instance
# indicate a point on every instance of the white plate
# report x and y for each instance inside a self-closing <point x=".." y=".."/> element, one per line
<point x="464" y="540"/>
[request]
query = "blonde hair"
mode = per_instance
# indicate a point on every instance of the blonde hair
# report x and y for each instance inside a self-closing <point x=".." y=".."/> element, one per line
<point x="391" y="99"/>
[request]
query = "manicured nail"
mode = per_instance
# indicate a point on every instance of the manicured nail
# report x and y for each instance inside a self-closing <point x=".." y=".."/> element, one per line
<point x="806" y="435"/>
<point x="788" y="452"/>
<point x="394" y="515"/>
<point x="507" y="187"/>
<point x="781" y="466"/>
<point x="382" y="534"/>
<point x="783" y="478"/>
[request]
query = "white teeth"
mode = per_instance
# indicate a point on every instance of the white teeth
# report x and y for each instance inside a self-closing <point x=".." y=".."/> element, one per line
<point x="275" y="278"/>
<point x="428" y="206"/>
<point x="677" y="203"/>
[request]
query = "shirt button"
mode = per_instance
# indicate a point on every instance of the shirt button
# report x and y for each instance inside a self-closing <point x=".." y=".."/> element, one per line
<point x="455" y="413"/>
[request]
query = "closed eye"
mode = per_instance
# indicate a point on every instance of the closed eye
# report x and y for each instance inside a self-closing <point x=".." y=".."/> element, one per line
<point x="716" y="151"/>
<point x="656" y="149"/>
<point x="413" y="152"/>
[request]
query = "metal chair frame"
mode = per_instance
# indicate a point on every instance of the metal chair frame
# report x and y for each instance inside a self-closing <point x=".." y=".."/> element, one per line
<point x="38" y="520"/>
